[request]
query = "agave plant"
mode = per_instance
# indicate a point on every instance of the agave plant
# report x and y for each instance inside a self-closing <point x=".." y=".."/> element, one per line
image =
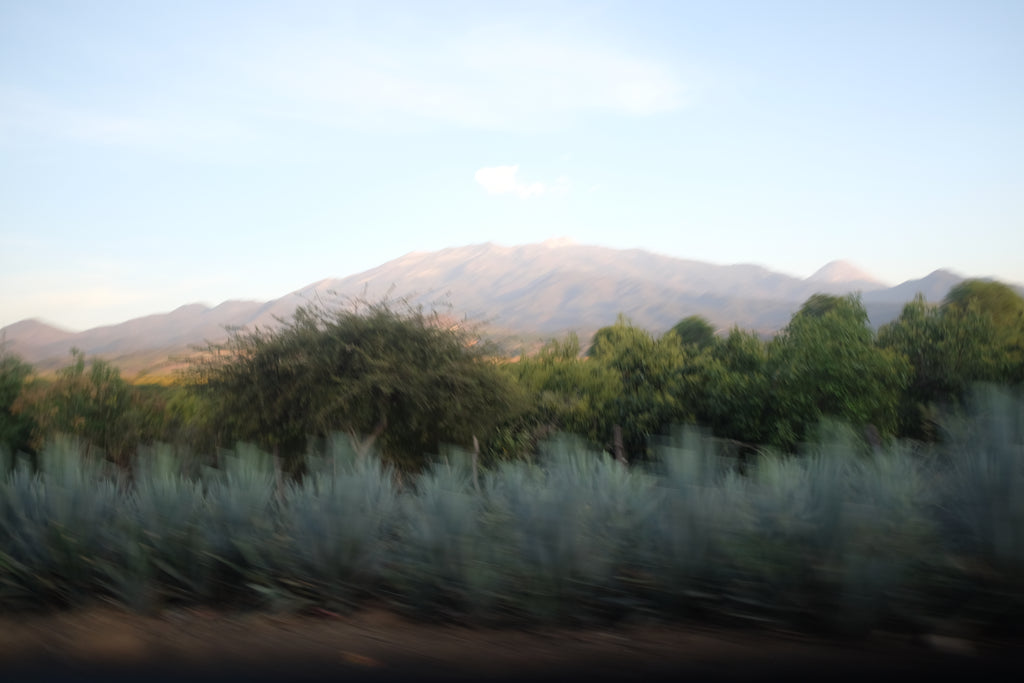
<point x="168" y="509"/>
<point x="838" y="535"/>
<point x="698" y="508"/>
<point x="982" y="510"/>
<point x="987" y="479"/>
<point x="336" y="527"/>
<point x="885" y="538"/>
<point x="238" y="524"/>
<point x="565" y="526"/>
<point x="438" y="565"/>
<point x="60" y="526"/>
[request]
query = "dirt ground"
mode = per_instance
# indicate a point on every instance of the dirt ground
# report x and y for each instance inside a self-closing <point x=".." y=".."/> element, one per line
<point x="105" y="644"/>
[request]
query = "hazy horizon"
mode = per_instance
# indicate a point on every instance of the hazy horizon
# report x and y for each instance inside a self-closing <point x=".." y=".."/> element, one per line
<point x="848" y="272"/>
<point x="155" y="155"/>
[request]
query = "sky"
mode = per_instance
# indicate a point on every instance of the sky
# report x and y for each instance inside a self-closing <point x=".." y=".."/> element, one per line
<point x="160" y="153"/>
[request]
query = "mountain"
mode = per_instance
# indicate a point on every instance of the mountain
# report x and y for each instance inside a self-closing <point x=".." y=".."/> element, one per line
<point x="26" y="335"/>
<point x="934" y="287"/>
<point x="845" y="276"/>
<point x="525" y="293"/>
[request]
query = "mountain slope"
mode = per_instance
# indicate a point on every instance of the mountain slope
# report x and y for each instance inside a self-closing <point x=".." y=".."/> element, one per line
<point x="26" y="337"/>
<point x="536" y="290"/>
<point x="934" y="286"/>
<point x="845" y="275"/>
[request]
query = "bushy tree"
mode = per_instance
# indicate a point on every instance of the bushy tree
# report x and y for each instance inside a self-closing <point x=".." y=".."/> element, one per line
<point x="1003" y="308"/>
<point x="731" y="384"/>
<point x="88" y="399"/>
<point x="695" y="331"/>
<point x="995" y="299"/>
<point x="186" y="421"/>
<point x="15" y="426"/>
<point x="948" y="350"/>
<point x="386" y="373"/>
<point x="652" y="388"/>
<point x="564" y="391"/>
<point x="825" y="364"/>
<point x="975" y="335"/>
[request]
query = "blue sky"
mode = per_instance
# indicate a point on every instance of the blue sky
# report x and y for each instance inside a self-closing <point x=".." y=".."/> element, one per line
<point x="154" y="154"/>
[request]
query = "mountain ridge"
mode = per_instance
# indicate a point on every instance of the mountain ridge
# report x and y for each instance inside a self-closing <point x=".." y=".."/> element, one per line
<point x="527" y="291"/>
<point x="845" y="271"/>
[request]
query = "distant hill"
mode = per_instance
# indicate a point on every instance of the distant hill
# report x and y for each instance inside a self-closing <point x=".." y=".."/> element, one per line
<point x="847" y="276"/>
<point x="523" y="293"/>
<point x="934" y="287"/>
<point x="33" y="334"/>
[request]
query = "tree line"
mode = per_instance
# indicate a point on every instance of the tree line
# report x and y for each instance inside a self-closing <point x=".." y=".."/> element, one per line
<point x="404" y="382"/>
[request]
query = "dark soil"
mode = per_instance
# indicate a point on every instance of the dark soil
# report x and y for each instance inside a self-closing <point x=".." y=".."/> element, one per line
<point x="105" y="644"/>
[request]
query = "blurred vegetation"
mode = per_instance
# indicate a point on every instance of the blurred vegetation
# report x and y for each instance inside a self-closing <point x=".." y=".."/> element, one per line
<point x="902" y="538"/>
<point x="384" y="373"/>
<point x="88" y="399"/>
<point x="15" y="426"/>
<point x="409" y="382"/>
<point x="843" y="478"/>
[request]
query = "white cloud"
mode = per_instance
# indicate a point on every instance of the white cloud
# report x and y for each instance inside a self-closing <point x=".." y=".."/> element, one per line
<point x="503" y="180"/>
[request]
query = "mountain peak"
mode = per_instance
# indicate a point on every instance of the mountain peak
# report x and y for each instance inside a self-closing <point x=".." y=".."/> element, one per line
<point x="841" y="271"/>
<point x="559" y="242"/>
<point x="542" y="288"/>
<point x="35" y="326"/>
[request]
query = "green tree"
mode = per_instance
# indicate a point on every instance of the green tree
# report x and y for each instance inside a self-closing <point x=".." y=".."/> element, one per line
<point x="395" y="377"/>
<point x="975" y="335"/>
<point x="652" y="387"/>
<point x="948" y="350"/>
<point x="820" y="305"/>
<point x="1004" y="308"/>
<point x="186" y="420"/>
<point x="695" y="331"/>
<point x="998" y="301"/>
<point x="15" y="426"/>
<point x="565" y="392"/>
<point x="731" y="382"/>
<point x="88" y="399"/>
<point x="825" y="364"/>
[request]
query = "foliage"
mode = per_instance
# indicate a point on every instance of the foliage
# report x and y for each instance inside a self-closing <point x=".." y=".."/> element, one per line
<point x="732" y="388"/>
<point x="652" y="387"/>
<point x="695" y="330"/>
<point x="167" y="508"/>
<point x="565" y="529"/>
<point x="90" y="400"/>
<point x="566" y="392"/>
<point x="833" y="538"/>
<point x="335" y="527"/>
<point x="986" y="455"/>
<point x="1003" y="308"/>
<point x="948" y="350"/>
<point x="15" y="427"/>
<point x="395" y="374"/>
<point x="825" y="364"/>
<point x="995" y="299"/>
<point x="59" y="529"/>
<point x="976" y="335"/>
<point x="188" y="422"/>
